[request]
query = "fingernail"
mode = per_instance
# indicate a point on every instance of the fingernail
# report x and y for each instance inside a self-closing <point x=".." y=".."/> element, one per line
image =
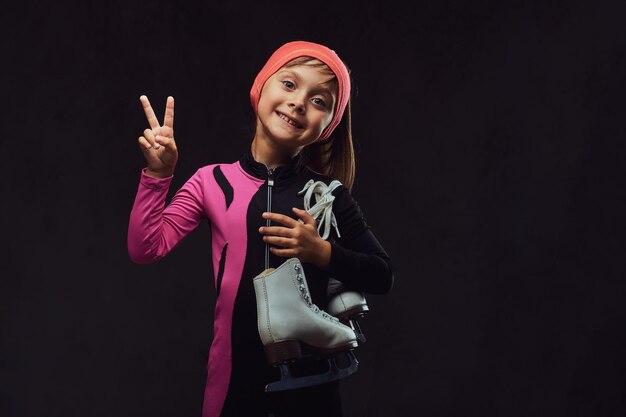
<point x="264" y="215"/>
<point x="260" y="229"/>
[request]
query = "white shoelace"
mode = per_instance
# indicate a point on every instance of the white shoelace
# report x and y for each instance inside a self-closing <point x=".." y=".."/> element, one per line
<point x="322" y="211"/>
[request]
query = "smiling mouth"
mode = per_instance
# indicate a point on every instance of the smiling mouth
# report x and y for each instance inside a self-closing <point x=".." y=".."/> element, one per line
<point x="289" y="121"/>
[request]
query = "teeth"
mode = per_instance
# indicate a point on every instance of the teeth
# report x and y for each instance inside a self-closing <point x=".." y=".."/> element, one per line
<point x="287" y="119"/>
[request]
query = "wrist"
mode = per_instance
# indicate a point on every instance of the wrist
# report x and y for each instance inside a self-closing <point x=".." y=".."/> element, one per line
<point x="159" y="174"/>
<point x="323" y="255"/>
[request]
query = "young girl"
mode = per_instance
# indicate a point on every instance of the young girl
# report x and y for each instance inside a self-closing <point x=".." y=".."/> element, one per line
<point x="301" y="98"/>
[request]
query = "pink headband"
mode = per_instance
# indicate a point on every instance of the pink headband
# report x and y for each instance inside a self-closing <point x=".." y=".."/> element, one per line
<point x="296" y="49"/>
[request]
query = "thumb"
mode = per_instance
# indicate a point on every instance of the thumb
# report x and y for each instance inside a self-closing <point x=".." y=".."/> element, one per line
<point x="304" y="216"/>
<point x="166" y="141"/>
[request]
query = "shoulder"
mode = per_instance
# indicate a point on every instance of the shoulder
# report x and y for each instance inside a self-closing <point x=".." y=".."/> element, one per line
<point x="307" y="175"/>
<point x="211" y="173"/>
<point x="216" y="169"/>
<point x="228" y="177"/>
<point x="318" y="183"/>
<point x="211" y="167"/>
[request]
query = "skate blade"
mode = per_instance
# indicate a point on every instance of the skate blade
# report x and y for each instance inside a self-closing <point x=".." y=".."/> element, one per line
<point x="357" y="312"/>
<point x="288" y="382"/>
<point x="293" y="350"/>
<point x="354" y="324"/>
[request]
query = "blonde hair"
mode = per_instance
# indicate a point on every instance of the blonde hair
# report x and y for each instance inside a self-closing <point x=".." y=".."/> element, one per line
<point x="333" y="157"/>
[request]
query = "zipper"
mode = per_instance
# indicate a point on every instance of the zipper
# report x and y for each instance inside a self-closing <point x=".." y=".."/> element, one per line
<point x="270" y="184"/>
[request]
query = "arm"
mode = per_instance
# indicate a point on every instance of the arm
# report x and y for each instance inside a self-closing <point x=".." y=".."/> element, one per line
<point x="357" y="258"/>
<point x="154" y="230"/>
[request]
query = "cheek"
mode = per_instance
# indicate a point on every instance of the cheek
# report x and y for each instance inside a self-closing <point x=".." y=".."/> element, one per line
<point x="325" y="120"/>
<point x="265" y="105"/>
<point x="274" y="99"/>
<point x="267" y="98"/>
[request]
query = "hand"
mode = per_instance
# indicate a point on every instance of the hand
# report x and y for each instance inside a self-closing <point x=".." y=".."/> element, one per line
<point x="298" y="238"/>
<point x="157" y="143"/>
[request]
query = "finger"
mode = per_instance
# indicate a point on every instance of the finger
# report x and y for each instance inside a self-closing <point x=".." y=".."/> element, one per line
<point x="285" y="253"/>
<point x="143" y="142"/>
<point x="165" y="131"/>
<point x="168" y="120"/>
<point x="279" y="241"/>
<point x="147" y="109"/>
<point x="149" y="135"/>
<point x="281" y="218"/>
<point x="305" y="216"/>
<point x="276" y="231"/>
<point x="165" y="141"/>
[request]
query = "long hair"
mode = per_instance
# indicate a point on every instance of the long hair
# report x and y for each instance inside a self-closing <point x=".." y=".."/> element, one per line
<point x="333" y="157"/>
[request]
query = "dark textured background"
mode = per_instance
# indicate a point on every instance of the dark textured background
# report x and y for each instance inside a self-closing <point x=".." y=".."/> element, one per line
<point x="490" y="146"/>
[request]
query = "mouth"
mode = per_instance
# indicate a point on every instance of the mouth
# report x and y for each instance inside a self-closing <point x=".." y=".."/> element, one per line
<point x="288" y="120"/>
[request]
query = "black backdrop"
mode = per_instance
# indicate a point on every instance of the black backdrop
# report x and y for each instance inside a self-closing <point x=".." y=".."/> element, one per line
<point x="489" y="143"/>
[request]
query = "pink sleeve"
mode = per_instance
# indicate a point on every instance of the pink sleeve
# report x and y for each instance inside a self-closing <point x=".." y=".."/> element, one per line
<point x="154" y="230"/>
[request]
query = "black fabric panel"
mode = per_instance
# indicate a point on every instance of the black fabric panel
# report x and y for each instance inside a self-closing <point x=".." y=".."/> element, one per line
<point x="220" y="271"/>
<point x="250" y="370"/>
<point x="227" y="189"/>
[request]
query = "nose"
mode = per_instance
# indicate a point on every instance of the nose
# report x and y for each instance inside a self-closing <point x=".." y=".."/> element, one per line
<point x="296" y="104"/>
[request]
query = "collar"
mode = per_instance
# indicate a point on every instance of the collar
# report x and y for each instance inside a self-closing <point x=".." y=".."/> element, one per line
<point x="260" y="170"/>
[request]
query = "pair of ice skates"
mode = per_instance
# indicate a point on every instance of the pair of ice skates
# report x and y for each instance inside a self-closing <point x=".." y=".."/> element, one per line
<point x="293" y="328"/>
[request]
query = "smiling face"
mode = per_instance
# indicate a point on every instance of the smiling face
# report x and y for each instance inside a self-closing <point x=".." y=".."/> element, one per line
<point x="295" y="106"/>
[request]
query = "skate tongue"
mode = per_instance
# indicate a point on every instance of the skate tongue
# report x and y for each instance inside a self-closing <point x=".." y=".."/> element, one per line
<point x="266" y="272"/>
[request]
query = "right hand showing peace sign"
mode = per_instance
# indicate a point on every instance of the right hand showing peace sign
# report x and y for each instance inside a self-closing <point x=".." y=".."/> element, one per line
<point x="157" y="143"/>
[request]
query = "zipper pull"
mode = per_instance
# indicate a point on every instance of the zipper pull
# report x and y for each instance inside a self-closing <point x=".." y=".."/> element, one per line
<point x="270" y="177"/>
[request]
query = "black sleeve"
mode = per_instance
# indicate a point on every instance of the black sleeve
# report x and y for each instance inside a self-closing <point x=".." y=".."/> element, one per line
<point x="357" y="257"/>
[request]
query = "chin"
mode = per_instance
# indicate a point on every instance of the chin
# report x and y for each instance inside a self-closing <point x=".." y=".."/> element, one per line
<point x="284" y="138"/>
<point x="286" y="143"/>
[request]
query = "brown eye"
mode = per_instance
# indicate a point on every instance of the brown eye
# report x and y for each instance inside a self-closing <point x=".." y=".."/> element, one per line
<point x="288" y="84"/>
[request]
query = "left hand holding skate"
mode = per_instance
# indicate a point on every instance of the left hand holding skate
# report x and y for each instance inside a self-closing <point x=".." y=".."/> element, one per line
<point x="298" y="238"/>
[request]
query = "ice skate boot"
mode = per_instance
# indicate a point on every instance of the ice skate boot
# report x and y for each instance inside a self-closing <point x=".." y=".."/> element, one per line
<point x="348" y="306"/>
<point x="291" y="327"/>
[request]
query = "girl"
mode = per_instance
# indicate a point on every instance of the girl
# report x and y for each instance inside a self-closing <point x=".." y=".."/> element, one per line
<point x="301" y="98"/>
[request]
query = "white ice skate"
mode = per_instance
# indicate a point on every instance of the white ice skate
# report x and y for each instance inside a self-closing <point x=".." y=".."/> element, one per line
<point x="291" y="327"/>
<point x="348" y="306"/>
